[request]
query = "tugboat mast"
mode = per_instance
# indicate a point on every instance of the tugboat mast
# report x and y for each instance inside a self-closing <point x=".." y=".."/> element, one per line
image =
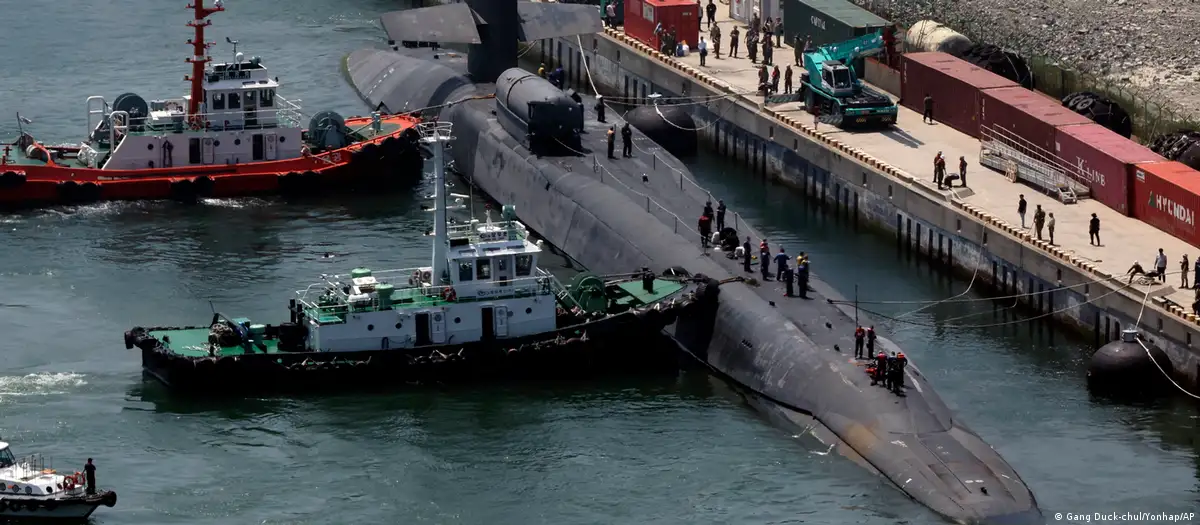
<point x="436" y="134"/>
<point x="199" y="56"/>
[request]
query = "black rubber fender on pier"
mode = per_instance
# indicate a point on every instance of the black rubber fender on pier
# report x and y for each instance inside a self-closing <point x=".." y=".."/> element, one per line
<point x="1004" y="63"/>
<point x="1100" y="110"/>
<point x="1180" y="146"/>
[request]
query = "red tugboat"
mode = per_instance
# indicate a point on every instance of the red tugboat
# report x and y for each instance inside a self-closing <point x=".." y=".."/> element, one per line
<point x="233" y="135"/>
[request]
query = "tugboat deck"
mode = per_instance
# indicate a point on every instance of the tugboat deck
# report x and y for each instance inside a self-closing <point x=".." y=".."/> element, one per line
<point x="193" y="342"/>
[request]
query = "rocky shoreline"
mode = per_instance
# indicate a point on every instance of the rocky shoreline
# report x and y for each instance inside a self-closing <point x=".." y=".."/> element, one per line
<point x="1150" y="47"/>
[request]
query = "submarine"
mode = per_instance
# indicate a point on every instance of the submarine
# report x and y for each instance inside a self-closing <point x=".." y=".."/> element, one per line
<point x="525" y="142"/>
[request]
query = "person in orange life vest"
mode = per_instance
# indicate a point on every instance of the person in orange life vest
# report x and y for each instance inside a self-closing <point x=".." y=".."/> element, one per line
<point x="705" y="227"/>
<point x="870" y="341"/>
<point x="880" y="368"/>
<point x="764" y="258"/>
<point x="860" y="336"/>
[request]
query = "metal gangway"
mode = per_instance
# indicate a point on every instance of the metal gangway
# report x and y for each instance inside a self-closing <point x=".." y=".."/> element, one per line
<point x="1022" y="160"/>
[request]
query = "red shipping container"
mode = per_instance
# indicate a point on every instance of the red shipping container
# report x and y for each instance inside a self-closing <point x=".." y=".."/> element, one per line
<point x="1103" y="161"/>
<point x="954" y="84"/>
<point x="1166" y="195"/>
<point x="642" y="17"/>
<point x="1027" y="115"/>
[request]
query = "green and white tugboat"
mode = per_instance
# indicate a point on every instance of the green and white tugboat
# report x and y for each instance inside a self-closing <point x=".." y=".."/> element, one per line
<point x="483" y="309"/>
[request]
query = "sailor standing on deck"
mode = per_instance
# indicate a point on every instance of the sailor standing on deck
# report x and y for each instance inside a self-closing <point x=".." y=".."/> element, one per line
<point x="612" y="144"/>
<point x="880" y="369"/>
<point x="746" y="255"/>
<point x="889" y="375"/>
<point x="626" y="140"/>
<point x="802" y="278"/>
<point x="764" y="259"/>
<point x="860" y="338"/>
<point x="705" y="227"/>
<point x="781" y="260"/>
<point x="870" y="341"/>
<point x="600" y="108"/>
<point x="898" y="373"/>
<point x="89" y="472"/>
<point x="720" y="215"/>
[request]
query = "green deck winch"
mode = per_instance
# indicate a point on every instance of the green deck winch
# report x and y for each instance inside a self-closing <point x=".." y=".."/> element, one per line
<point x="587" y="290"/>
<point x="385" y="292"/>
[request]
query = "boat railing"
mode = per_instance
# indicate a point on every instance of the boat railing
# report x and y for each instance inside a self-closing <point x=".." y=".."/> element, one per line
<point x="512" y="230"/>
<point x="410" y="291"/>
<point x="288" y="112"/>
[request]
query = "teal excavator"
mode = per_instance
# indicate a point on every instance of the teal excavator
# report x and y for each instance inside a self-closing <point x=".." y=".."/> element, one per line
<point x="830" y="85"/>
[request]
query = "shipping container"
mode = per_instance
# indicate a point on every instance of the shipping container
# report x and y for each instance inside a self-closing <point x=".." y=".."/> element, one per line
<point x="1027" y="115"/>
<point x="643" y="17"/>
<point x="1104" y="161"/>
<point x="954" y="84"/>
<point x="828" y="22"/>
<point x="1166" y="195"/>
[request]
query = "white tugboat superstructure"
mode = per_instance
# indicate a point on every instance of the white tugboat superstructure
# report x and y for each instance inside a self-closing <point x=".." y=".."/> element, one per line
<point x="30" y="490"/>
<point x="482" y="283"/>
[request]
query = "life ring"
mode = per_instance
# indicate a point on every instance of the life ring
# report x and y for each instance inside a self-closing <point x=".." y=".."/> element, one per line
<point x="196" y="125"/>
<point x="425" y="276"/>
<point x="69" y="483"/>
<point x="449" y="295"/>
<point x="414" y="278"/>
<point x="304" y="151"/>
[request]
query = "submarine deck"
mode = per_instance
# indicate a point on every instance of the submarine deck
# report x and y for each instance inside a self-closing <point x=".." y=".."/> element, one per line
<point x="937" y="448"/>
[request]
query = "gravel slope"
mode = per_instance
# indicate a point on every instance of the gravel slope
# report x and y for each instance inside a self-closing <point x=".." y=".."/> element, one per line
<point x="1152" y="46"/>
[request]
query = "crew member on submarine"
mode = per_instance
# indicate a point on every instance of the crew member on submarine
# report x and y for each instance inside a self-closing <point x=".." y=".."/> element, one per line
<point x="600" y="108"/>
<point x="626" y="141"/>
<point x="746" y="256"/>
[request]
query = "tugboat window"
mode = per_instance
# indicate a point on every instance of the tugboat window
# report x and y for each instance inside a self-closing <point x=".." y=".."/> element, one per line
<point x="218" y="101"/>
<point x="248" y="97"/>
<point x="465" y="271"/>
<point x="268" y="98"/>
<point x="6" y="458"/>
<point x="235" y="102"/>
<point x="524" y="265"/>
<point x="483" y="270"/>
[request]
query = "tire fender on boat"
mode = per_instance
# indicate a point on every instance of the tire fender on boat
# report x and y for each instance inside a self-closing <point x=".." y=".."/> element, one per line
<point x="51" y="505"/>
<point x="110" y="499"/>
<point x="183" y="189"/>
<point x="67" y="189"/>
<point x="129" y="340"/>
<point x="203" y="185"/>
<point x="88" y="192"/>
<point x="11" y="179"/>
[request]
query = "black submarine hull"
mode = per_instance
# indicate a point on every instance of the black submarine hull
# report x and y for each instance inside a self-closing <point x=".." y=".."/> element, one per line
<point x="608" y="218"/>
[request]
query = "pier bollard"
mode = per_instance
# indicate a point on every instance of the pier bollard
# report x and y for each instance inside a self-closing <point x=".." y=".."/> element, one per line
<point x="647" y="203"/>
<point x="676" y="224"/>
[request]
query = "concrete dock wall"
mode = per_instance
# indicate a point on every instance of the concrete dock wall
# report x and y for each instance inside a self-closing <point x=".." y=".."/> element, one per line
<point x="966" y="239"/>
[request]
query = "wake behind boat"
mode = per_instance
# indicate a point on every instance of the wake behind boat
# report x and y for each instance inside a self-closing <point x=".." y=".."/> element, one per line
<point x="232" y="135"/>
<point x="482" y="309"/>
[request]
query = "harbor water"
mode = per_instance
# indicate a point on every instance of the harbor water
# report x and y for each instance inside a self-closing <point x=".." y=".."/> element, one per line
<point x="675" y="449"/>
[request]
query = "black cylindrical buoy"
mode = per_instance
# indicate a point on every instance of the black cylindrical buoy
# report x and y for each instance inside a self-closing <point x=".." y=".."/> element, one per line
<point x="674" y="129"/>
<point x="1124" y="369"/>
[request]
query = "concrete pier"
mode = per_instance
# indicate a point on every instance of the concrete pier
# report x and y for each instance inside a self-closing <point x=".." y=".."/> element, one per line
<point x="886" y="178"/>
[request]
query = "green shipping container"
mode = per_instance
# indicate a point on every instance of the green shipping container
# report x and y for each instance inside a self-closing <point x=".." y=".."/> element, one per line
<point x="828" y="22"/>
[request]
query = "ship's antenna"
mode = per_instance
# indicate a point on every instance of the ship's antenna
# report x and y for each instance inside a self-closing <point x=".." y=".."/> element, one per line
<point x="436" y="134"/>
<point x="235" y="43"/>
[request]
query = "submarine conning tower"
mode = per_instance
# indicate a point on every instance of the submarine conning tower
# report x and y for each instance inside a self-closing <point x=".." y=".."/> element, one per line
<point x="491" y="28"/>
